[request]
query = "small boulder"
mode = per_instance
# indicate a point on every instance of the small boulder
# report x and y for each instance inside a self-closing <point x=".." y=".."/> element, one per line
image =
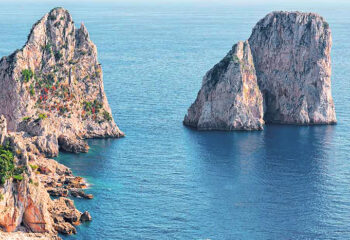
<point x="80" y="194"/>
<point x="75" y="182"/>
<point x="65" y="228"/>
<point x="58" y="192"/>
<point x="85" y="217"/>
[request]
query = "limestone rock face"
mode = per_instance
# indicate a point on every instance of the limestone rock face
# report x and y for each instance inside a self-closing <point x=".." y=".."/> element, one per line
<point x="3" y="129"/>
<point x="290" y="52"/>
<point x="229" y="98"/>
<point x="292" y="59"/>
<point x="25" y="204"/>
<point x="72" y="144"/>
<point x="52" y="96"/>
<point x="54" y="85"/>
<point x="65" y="215"/>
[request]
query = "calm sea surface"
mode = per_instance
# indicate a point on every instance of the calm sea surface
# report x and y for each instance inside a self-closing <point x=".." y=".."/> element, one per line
<point x="166" y="181"/>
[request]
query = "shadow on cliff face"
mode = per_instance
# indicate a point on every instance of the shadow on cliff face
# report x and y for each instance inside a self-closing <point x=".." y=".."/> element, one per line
<point x="270" y="175"/>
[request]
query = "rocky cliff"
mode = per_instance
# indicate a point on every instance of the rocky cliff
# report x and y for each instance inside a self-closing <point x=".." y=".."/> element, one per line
<point x="52" y="97"/>
<point x="53" y="87"/>
<point x="27" y="179"/>
<point x="290" y="52"/>
<point x="293" y="63"/>
<point x="230" y="97"/>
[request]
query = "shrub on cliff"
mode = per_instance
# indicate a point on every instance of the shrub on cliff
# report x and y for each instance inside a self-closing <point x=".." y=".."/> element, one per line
<point x="6" y="164"/>
<point x="107" y="116"/>
<point x="31" y="90"/>
<point x="34" y="167"/>
<point x="42" y="116"/>
<point x="26" y="118"/>
<point x="27" y="74"/>
<point x="18" y="177"/>
<point x="92" y="107"/>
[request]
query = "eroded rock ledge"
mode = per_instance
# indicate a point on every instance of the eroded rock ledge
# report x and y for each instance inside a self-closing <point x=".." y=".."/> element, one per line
<point x="284" y="77"/>
<point x="52" y="97"/>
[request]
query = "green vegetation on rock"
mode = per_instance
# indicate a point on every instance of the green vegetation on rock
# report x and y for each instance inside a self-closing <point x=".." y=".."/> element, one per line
<point x="7" y="166"/>
<point x="27" y="75"/>
<point x="31" y="90"/>
<point x="18" y="177"/>
<point x="33" y="167"/>
<point x="42" y="116"/>
<point x="25" y="118"/>
<point x="92" y="107"/>
<point x="107" y="116"/>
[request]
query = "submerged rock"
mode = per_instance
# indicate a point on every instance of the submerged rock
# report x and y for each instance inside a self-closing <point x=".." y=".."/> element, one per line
<point x="229" y="98"/>
<point x="283" y="77"/>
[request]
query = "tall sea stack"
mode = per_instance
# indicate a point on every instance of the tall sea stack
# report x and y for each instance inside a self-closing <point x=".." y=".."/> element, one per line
<point x="56" y="78"/>
<point x="291" y="55"/>
<point x="52" y="97"/>
<point x="293" y="64"/>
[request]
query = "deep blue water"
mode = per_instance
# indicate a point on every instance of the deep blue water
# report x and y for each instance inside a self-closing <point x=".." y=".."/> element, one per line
<point x="166" y="181"/>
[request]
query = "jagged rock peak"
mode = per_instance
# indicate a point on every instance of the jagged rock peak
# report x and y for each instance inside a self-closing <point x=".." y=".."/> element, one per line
<point x="291" y="52"/>
<point x="56" y="32"/>
<point x="229" y="98"/>
<point x="56" y="78"/>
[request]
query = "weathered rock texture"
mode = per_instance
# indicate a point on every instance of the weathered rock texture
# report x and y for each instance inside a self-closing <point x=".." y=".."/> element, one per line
<point x="52" y="97"/>
<point x="25" y="204"/>
<point x="230" y="97"/>
<point x="28" y="236"/>
<point x="283" y="77"/>
<point x="53" y="86"/>
<point x="292" y="59"/>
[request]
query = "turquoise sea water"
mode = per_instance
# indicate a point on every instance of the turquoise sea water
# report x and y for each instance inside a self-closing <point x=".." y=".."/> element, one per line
<point x="166" y="181"/>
